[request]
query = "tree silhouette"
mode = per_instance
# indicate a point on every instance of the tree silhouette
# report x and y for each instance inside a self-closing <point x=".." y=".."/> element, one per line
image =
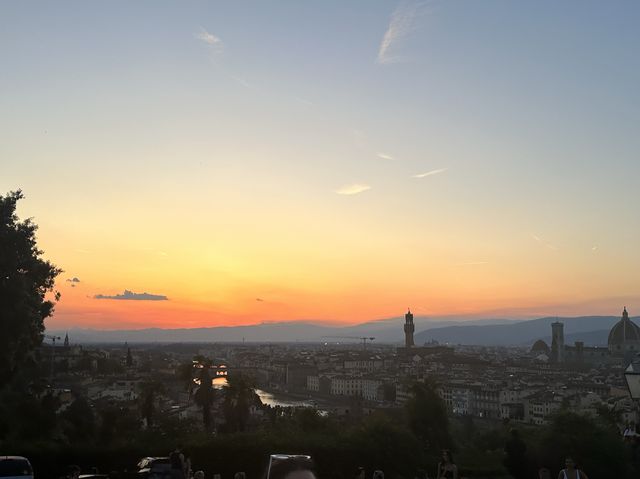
<point x="238" y="395"/>
<point x="149" y="392"/>
<point x="309" y="419"/>
<point x="204" y="396"/>
<point x="25" y="280"/>
<point x="118" y="424"/>
<point x="80" y="421"/>
<point x="594" y="444"/>
<point x="427" y="416"/>
<point x="515" y="460"/>
<point x="49" y="404"/>
<point x="184" y="372"/>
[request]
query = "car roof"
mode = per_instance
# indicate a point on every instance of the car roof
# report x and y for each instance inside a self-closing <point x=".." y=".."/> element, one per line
<point x="5" y="458"/>
<point x="147" y="462"/>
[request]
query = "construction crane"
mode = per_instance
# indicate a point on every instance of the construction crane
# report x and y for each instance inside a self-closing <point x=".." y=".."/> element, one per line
<point x="364" y="339"/>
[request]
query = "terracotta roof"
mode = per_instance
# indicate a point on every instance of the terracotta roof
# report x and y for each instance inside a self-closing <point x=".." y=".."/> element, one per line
<point x="540" y="345"/>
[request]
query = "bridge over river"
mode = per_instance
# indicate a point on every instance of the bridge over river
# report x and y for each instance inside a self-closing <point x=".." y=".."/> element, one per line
<point x="222" y="371"/>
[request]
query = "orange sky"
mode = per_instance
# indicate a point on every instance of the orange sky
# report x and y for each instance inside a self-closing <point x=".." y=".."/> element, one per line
<point x="223" y="263"/>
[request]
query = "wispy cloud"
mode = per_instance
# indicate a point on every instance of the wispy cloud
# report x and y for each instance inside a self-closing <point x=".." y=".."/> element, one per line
<point x="473" y="263"/>
<point x="353" y="189"/>
<point x="73" y="280"/>
<point x="216" y="46"/>
<point x="304" y="101"/>
<point x="209" y="38"/>
<point x="430" y="173"/>
<point x="385" y="157"/>
<point x="130" y="295"/>
<point x="241" y="80"/>
<point x="400" y="25"/>
<point x="543" y="242"/>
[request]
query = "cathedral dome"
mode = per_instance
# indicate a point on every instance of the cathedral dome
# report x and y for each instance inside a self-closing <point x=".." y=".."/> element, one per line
<point x="540" y="347"/>
<point x="623" y="332"/>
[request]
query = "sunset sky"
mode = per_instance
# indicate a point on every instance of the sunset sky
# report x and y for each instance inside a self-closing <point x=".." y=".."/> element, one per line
<point x="242" y="162"/>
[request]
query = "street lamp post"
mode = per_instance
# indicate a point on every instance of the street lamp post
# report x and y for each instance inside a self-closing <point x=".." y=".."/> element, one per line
<point x="632" y="376"/>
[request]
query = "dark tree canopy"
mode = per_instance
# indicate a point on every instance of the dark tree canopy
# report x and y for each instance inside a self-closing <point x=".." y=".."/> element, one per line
<point x="239" y="394"/>
<point x="204" y="396"/>
<point x="593" y="444"/>
<point x="427" y="416"/>
<point x="515" y="460"/>
<point x="80" y="421"/>
<point x="150" y="390"/>
<point x="25" y="280"/>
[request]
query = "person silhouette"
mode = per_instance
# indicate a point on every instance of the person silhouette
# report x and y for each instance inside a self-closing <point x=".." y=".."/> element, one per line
<point x="571" y="471"/>
<point x="446" y="467"/>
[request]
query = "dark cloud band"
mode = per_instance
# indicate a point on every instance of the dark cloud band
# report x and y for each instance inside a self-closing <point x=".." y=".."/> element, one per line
<point x="130" y="295"/>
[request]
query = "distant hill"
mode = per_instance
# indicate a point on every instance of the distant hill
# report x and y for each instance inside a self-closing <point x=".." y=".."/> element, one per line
<point x="385" y="331"/>
<point x="593" y="330"/>
<point x="276" y="332"/>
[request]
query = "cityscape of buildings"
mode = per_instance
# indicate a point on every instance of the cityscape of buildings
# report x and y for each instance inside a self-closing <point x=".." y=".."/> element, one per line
<point x="521" y="385"/>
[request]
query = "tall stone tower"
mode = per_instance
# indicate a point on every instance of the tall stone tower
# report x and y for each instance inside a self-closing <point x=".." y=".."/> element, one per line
<point x="409" y="328"/>
<point x="557" y="342"/>
<point x="66" y="340"/>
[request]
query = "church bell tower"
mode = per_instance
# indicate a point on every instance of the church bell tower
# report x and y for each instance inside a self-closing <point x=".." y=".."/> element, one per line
<point x="409" y="328"/>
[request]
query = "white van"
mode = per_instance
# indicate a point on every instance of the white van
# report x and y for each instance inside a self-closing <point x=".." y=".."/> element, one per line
<point x="15" y="467"/>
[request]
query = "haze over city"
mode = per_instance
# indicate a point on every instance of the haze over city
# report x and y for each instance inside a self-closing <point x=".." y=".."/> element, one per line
<point x="226" y="163"/>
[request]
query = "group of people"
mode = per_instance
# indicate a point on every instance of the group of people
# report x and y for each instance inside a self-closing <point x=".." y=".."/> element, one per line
<point x="570" y="471"/>
<point x="448" y="470"/>
<point x="302" y="467"/>
<point x="181" y="467"/>
<point x="290" y="467"/>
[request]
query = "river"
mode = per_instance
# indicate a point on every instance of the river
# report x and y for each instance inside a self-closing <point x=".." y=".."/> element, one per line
<point x="271" y="399"/>
<point x="268" y="398"/>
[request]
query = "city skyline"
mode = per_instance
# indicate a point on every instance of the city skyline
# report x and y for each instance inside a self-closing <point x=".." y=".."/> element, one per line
<point x="223" y="164"/>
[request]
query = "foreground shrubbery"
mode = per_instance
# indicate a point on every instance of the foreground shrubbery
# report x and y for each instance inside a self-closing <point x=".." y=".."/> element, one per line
<point x="375" y="442"/>
<point x="338" y="450"/>
<point x="595" y="443"/>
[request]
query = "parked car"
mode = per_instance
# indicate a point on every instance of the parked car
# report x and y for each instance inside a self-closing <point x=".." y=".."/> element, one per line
<point x="304" y="461"/>
<point x="154" y="468"/>
<point x="15" y="467"/>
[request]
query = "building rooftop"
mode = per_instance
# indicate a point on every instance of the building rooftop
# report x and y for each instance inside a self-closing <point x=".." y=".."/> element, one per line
<point x="624" y="331"/>
<point x="540" y="347"/>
